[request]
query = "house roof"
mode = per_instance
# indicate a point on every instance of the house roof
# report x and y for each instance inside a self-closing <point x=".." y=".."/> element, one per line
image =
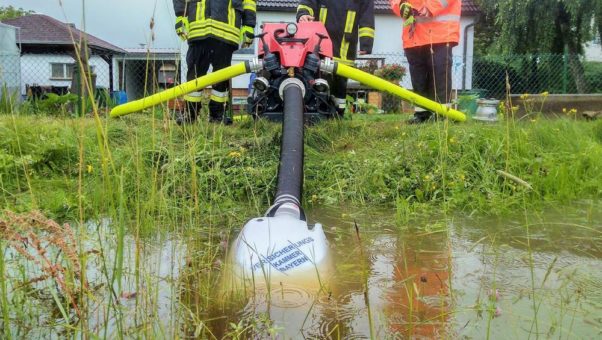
<point x="152" y="54"/>
<point x="39" y="29"/>
<point x="380" y="6"/>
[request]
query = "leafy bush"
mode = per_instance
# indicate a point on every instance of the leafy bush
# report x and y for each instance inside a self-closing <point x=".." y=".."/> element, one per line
<point x="391" y="72"/>
<point x="593" y="75"/>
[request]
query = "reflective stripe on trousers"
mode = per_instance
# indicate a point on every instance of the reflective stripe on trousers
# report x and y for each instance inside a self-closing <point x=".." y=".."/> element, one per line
<point x="194" y="97"/>
<point x="219" y="97"/>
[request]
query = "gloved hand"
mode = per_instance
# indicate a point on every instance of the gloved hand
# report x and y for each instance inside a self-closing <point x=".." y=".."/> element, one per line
<point x="407" y="13"/>
<point x="247" y="33"/>
<point x="182" y="27"/>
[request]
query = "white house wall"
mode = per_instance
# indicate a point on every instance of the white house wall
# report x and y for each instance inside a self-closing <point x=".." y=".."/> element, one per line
<point x="593" y="51"/>
<point x="36" y="70"/>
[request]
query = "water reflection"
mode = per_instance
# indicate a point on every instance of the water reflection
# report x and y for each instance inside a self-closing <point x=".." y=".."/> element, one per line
<point x="525" y="275"/>
<point x="450" y="278"/>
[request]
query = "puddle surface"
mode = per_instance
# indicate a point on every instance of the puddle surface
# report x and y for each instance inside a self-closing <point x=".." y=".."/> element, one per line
<point x="456" y="277"/>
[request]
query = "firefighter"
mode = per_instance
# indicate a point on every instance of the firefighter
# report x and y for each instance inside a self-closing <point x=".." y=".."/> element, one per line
<point x="345" y="21"/>
<point x="431" y="30"/>
<point x="214" y="29"/>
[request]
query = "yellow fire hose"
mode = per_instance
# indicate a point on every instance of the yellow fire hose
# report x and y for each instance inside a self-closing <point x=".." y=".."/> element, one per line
<point x="407" y="95"/>
<point x="182" y="89"/>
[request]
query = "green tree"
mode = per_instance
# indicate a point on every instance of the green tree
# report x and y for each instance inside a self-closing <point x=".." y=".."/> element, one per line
<point x="544" y="26"/>
<point x="11" y="12"/>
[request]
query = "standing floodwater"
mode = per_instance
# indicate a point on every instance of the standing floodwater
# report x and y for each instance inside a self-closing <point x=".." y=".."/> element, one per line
<point x="520" y="276"/>
<point x="509" y="277"/>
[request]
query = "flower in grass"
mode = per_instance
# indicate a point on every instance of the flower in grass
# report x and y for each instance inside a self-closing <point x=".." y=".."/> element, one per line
<point x="564" y="110"/>
<point x="90" y="169"/>
<point x="234" y="154"/>
<point x="524" y="96"/>
<point x="545" y="94"/>
<point x="497" y="312"/>
<point x="427" y="178"/>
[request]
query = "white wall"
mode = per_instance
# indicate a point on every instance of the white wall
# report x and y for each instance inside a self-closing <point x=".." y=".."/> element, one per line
<point x="593" y="52"/>
<point x="36" y="69"/>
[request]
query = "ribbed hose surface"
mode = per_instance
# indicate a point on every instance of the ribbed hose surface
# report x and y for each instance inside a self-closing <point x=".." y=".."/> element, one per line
<point x="290" y="172"/>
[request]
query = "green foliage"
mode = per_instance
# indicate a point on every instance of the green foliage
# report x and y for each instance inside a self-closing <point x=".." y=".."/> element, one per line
<point x="8" y="99"/>
<point x="54" y="104"/>
<point x="10" y="12"/>
<point x="375" y="162"/>
<point x="391" y="72"/>
<point x="593" y="74"/>
<point x="546" y="26"/>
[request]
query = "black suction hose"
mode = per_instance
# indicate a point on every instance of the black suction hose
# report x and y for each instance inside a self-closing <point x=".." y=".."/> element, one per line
<point x="290" y="172"/>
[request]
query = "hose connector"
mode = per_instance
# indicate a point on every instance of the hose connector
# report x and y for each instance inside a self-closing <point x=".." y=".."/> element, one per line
<point x="291" y="81"/>
<point x="328" y="65"/>
<point x="254" y="65"/>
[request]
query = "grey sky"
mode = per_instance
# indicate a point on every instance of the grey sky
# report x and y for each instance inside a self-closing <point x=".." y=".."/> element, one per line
<point x="124" y="23"/>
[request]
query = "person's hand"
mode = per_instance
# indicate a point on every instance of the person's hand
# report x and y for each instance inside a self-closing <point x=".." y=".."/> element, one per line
<point x="405" y="9"/>
<point x="182" y="27"/>
<point x="247" y="34"/>
<point x="361" y="52"/>
<point x="306" y="18"/>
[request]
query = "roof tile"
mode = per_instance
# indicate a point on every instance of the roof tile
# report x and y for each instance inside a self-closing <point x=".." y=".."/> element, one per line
<point x="45" y="30"/>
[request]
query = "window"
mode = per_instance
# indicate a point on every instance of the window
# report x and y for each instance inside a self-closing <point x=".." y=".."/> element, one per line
<point x="63" y="71"/>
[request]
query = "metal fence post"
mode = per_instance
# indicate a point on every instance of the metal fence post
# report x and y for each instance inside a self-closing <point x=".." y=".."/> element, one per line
<point x="565" y="67"/>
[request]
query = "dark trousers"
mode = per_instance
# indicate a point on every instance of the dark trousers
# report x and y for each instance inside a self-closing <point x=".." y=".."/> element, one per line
<point x="430" y="70"/>
<point x="338" y="89"/>
<point x="201" y="55"/>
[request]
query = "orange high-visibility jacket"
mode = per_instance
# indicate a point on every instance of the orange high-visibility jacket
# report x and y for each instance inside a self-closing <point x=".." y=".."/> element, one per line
<point x="442" y="26"/>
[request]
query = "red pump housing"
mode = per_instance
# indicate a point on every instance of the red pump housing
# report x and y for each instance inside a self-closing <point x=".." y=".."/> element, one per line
<point x="293" y="49"/>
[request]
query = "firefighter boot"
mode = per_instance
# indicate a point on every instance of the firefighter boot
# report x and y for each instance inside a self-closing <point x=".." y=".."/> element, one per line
<point x="216" y="113"/>
<point x="421" y="116"/>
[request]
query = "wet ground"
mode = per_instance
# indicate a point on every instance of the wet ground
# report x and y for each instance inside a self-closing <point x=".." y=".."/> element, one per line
<point x="522" y="276"/>
<point x="460" y="277"/>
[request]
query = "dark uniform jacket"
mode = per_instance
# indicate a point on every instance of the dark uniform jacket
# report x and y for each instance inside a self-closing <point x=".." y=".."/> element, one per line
<point x="220" y="19"/>
<point x="345" y="21"/>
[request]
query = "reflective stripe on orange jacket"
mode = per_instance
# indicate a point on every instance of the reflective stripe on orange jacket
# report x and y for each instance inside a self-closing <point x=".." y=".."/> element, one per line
<point x="442" y="26"/>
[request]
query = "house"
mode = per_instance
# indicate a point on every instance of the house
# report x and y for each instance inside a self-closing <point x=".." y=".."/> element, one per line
<point x="10" y="75"/>
<point x="387" y="42"/>
<point x="143" y="71"/>
<point x="48" y="54"/>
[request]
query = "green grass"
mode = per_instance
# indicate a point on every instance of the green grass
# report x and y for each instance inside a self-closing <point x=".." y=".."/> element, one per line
<point x="155" y="167"/>
<point x="151" y="178"/>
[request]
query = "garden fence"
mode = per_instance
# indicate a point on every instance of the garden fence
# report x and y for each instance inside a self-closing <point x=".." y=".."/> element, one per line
<point x="126" y="79"/>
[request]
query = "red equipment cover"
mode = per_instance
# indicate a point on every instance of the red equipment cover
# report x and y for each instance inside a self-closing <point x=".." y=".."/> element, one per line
<point x="292" y="54"/>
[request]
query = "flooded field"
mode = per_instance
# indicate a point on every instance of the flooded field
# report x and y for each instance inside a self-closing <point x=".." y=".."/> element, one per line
<point x="522" y="276"/>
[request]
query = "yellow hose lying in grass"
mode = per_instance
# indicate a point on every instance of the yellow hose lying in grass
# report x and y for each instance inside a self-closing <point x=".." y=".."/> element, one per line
<point x="407" y="95"/>
<point x="182" y="89"/>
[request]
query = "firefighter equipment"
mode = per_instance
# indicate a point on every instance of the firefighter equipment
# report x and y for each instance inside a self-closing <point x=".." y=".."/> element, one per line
<point x="187" y="87"/>
<point x="247" y="34"/>
<point x="345" y="21"/>
<point x="281" y="245"/>
<point x="182" y="27"/>
<point x="219" y="19"/>
<point x="383" y="85"/>
<point x="441" y="24"/>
